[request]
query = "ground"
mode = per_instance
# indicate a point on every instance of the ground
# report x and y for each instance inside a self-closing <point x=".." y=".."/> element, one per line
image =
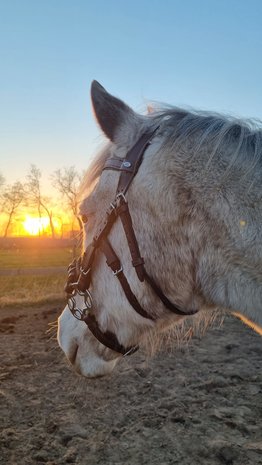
<point x="198" y="405"/>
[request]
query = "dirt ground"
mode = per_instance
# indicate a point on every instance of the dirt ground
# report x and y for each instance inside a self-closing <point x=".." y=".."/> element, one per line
<point x="200" y="405"/>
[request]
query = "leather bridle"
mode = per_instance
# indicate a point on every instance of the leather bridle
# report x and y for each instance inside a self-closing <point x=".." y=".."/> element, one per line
<point x="80" y="271"/>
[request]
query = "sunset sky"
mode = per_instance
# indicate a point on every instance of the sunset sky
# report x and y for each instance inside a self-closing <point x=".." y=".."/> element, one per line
<point x="202" y="53"/>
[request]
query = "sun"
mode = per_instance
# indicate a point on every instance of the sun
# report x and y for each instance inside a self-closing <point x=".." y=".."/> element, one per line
<point x="35" y="226"/>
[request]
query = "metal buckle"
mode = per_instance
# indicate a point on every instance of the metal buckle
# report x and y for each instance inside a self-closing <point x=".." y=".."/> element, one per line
<point x="115" y="273"/>
<point x="82" y="271"/>
<point x="121" y="196"/>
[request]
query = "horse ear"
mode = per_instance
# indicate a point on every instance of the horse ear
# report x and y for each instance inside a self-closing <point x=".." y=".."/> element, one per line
<point x="110" y="112"/>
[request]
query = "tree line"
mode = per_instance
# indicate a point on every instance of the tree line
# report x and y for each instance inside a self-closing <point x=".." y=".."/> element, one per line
<point x="29" y="194"/>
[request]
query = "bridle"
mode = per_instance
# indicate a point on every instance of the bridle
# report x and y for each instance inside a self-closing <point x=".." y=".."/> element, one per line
<point x="80" y="271"/>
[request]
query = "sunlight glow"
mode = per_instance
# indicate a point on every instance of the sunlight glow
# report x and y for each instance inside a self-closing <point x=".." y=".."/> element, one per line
<point x="35" y="226"/>
<point x="248" y="322"/>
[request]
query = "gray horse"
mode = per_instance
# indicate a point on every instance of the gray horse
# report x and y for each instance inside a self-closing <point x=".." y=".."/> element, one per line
<point x="196" y="208"/>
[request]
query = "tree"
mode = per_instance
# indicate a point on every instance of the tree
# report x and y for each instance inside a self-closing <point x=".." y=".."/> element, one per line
<point x="12" y="197"/>
<point x="2" y="180"/>
<point x="67" y="182"/>
<point x="35" y="197"/>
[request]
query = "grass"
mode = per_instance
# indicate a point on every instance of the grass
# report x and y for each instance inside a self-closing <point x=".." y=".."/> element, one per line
<point x="34" y="288"/>
<point x="31" y="258"/>
<point x="29" y="290"/>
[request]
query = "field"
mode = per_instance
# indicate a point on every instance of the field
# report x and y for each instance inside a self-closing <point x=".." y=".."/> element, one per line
<point x="35" y="257"/>
<point x="200" y="404"/>
<point x="33" y="275"/>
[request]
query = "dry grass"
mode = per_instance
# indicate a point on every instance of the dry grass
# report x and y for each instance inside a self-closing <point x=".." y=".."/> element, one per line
<point x="33" y="287"/>
<point x="28" y="290"/>
<point x="35" y="257"/>
<point x="179" y="334"/>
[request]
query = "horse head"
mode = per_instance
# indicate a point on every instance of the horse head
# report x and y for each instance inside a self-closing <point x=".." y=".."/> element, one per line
<point x="156" y="243"/>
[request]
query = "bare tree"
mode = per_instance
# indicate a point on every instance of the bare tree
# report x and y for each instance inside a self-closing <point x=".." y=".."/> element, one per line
<point x="2" y="180"/>
<point x="67" y="182"/>
<point x="35" y="196"/>
<point x="12" y="197"/>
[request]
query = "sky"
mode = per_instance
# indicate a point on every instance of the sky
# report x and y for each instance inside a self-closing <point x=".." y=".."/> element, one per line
<point x="200" y="53"/>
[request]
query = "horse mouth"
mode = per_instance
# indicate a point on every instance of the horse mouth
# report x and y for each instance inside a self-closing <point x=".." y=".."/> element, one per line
<point x="72" y="356"/>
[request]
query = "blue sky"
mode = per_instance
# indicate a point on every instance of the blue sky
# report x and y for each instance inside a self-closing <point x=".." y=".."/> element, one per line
<point x="205" y="54"/>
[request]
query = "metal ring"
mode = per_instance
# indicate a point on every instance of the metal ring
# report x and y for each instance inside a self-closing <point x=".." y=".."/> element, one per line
<point x="78" y="313"/>
<point x="71" y="304"/>
<point x="84" y="272"/>
<point x="88" y="299"/>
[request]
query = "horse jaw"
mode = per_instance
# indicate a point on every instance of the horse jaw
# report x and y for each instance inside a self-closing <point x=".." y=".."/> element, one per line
<point x="86" y="355"/>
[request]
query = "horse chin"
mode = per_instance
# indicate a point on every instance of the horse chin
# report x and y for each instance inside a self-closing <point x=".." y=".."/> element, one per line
<point x="94" y="368"/>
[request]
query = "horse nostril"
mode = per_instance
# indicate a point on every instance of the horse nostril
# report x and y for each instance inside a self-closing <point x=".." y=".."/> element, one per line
<point x="72" y="355"/>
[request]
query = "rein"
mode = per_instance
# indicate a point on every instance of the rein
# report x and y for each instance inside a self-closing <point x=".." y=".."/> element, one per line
<point x="80" y="271"/>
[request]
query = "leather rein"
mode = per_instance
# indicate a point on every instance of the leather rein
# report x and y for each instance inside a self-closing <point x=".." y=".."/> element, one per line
<point x="80" y="271"/>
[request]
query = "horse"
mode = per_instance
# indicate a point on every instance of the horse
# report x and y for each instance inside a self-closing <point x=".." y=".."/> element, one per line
<point x="173" y="205"/>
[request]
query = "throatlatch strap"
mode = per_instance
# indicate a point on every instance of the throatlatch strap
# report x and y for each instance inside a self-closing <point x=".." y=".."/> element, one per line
<point x="107" y="338"/>
<point x="173" y="308"/>
<point x="114" y="263"/>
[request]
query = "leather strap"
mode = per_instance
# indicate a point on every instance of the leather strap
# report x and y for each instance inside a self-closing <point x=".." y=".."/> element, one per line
<point x="137" y="260"/>
<point x="84" y="278"/>
<point x="114" y="263"/>
<point x="168" y="304"/>
<point x="72" y="277"/>
<point x="118" y="164"/>
<point x="107" y="338"/>
<point x="134" y="157"/>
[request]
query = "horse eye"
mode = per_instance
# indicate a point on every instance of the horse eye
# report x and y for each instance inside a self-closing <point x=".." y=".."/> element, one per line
<point x="84" y="218"/>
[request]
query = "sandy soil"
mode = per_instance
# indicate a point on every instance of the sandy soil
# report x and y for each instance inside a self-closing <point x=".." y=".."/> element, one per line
<point x="200" y="405"/>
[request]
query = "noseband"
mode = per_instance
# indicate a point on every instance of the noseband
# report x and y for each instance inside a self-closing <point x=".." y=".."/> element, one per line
<point x="80" y="271"/>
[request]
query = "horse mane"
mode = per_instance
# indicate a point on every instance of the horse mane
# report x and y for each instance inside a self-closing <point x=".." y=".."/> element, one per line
<point x="239" y="139"/>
